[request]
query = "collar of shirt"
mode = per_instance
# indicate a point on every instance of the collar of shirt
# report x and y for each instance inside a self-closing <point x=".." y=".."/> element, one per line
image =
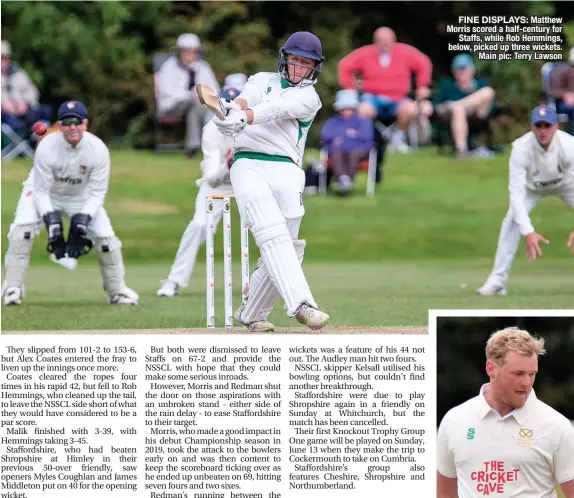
<point x="385" y="59"/>
<point x="519" y="414"/>
<point x="71" y="148"/>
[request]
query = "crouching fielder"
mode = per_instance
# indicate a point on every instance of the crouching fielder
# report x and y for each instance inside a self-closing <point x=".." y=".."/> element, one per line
<point x="541" y="165"/>
<point x="70" y="176"/>
<point x="270" y="121"/>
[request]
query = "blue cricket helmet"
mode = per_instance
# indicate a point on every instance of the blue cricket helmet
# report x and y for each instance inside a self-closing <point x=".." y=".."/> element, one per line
<point x="304" y="44"/>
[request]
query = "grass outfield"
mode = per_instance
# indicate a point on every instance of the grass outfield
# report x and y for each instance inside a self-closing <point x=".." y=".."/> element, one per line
<point x="365" y="294"/>
<point x="432" y="226"/>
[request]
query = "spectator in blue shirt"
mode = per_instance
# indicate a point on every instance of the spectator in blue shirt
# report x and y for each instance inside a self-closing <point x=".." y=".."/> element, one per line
<point x="461" y="97"/>
<point x="348" y="138"/>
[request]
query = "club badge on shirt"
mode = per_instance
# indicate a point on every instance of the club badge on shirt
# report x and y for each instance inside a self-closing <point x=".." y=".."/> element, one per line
<point x="83" y="169"/>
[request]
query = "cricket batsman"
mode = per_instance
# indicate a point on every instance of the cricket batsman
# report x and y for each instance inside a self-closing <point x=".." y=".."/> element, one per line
<point x="70" y="177"/>
<point x="269" y="121"/>
<point x="541" y="165"/>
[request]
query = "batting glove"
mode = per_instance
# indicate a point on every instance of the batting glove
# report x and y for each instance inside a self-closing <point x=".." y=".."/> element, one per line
<point x="233" y="124"/>
<point x="231" y="105"/>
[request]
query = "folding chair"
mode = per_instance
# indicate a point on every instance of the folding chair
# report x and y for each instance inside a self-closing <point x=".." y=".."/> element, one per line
<point x="17" y="145"/>
<point x="369" y="165"/>
<point x="162" y="122"/>
<point x="545" y="71"/>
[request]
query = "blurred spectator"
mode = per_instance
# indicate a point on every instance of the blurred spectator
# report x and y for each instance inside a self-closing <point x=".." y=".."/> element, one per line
<point x="235" y="80"/>
<point x="176" y="85"/>
<point x="385" y="70"/>
<point x="20" y="97"/>
<point x="349" y="138"/>
<point x="460" y="97"/>
<point x="562" y="88"/>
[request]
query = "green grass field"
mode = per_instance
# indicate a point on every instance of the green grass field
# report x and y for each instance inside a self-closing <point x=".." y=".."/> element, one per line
<point x="425" y="241"/>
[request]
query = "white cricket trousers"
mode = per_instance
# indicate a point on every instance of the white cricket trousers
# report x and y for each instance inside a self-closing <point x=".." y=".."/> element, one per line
<point x="509" y="238"/>
<point x="194" y="236"/>
<point x="268" y="194"/>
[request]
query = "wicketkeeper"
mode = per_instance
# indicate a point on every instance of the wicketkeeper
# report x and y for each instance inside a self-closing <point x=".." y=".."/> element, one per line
<point x="70" y="177"/>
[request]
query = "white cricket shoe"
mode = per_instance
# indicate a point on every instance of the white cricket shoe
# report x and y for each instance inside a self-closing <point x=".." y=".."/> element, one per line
<point x="168" y="289"/>
<point x="399" y="147"/>
<point x="492" y="290"/>
<point x="312" y="317"/>
<point x="13" y="296"/>
<point x="257" y="326"/>
<point x="128" y="296"/>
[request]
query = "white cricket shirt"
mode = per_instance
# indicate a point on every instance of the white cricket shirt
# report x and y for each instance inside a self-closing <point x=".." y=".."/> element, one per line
<point x="69" y="173"/>
<point x="214" y="147"/>
<point x="523" y="455"/>
<point x="282" y="117"/>
<point x="543" y="171"/>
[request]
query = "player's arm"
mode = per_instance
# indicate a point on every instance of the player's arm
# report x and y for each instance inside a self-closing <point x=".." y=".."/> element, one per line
<point x="303" y="107"/>
<point x="42" y="180"/>
<point x="517" y="191"/>
<point x="98" y="183"/>
<point x="251" y="94"/>
<point x="568" y="488"/>
<point x="446" y="481"/>
<point x="446" y="487"/>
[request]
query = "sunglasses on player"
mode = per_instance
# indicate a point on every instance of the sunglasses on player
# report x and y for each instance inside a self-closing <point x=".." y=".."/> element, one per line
<point x="542" y="125"/>
<point x="71" y="121"/>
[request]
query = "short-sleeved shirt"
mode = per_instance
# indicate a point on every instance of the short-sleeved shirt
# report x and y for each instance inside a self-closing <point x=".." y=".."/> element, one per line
<point x="525" y="454"/>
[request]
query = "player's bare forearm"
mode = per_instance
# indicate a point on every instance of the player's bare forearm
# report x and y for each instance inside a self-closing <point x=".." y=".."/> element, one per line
<point x="446" y="487"/>
<point x="242" y="102"/>
<point x="568" y="488"/>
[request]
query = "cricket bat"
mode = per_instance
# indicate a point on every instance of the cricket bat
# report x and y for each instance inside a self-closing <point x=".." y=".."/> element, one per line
<point x="209" y="98"/>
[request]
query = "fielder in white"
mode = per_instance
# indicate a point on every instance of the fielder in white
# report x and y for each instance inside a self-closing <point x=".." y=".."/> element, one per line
<point x="217" y="158"/>
<point x="70" y="176"/>
<point x="505" y="442"/>
<point x="270" y="121"/>
<point x="541" y="165"/>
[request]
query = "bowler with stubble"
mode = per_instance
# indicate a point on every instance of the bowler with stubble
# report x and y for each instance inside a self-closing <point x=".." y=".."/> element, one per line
<point x="506" y="442"/>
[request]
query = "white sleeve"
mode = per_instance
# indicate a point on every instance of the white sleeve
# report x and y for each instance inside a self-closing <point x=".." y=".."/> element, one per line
<point x="252" y="92"/>
<point x="568" y="148"/>
<point x="214" y="149"/>
<point x="42" y="180"/>
<point x="564" y="455"/>
<point x="445" y="459"/>
<point x="517" y="190"/>
<point x="98" y="183"/>
<point x="303" y="106"/>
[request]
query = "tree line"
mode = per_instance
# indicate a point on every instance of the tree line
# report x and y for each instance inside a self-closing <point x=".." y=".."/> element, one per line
<point x="101" y="52"/>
